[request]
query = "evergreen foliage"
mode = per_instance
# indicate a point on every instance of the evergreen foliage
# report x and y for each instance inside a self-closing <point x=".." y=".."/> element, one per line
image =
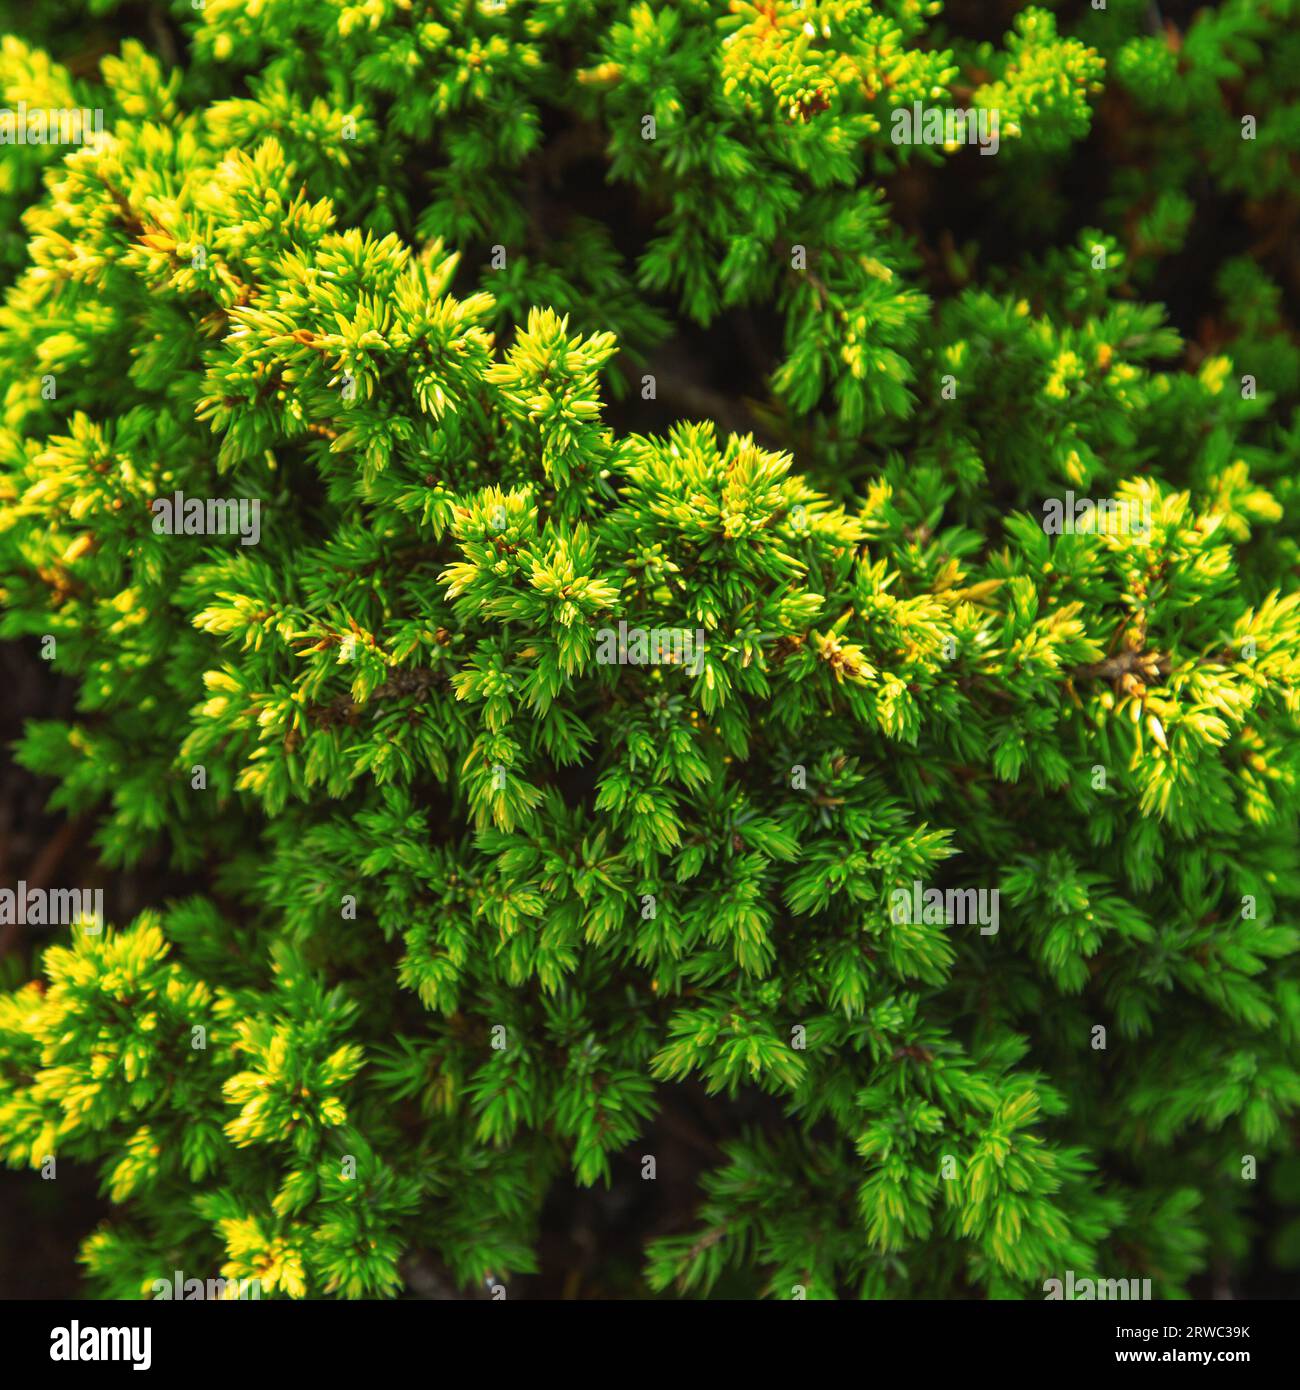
<point x="470" y="907"/>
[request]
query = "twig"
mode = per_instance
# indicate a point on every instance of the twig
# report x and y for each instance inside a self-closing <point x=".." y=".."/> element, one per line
<point x="41" y="871"/>
<point x="701" y="403"/>
<point x="163" y="37"/>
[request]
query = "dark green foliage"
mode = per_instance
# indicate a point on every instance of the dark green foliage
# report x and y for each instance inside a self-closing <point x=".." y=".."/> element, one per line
<point x="473" y="909"/>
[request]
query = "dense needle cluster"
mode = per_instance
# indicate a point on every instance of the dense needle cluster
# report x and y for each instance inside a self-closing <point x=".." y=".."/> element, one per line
<point x="522" y="320"/>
